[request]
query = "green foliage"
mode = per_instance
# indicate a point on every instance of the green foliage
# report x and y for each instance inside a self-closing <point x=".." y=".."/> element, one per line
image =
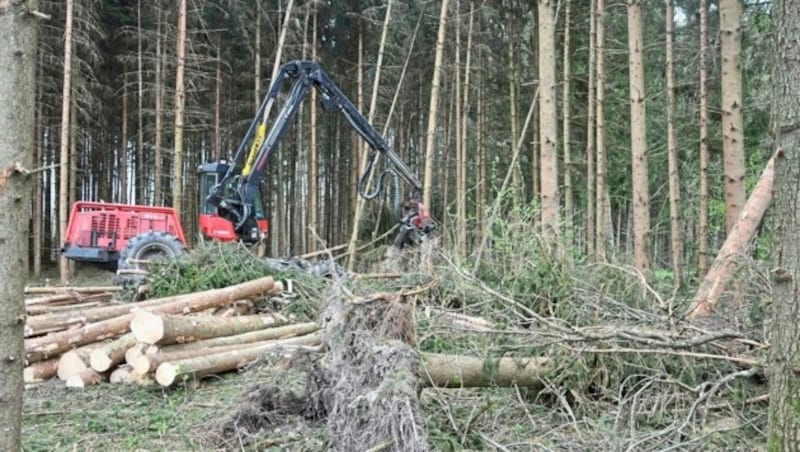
<point x="209" y="265"/>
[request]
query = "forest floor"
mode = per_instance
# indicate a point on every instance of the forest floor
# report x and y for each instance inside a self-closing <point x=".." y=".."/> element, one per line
<point x="625" y="380"/>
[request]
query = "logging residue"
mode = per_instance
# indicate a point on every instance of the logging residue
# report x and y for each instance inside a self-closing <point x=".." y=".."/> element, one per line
<point x="364" y="390"/>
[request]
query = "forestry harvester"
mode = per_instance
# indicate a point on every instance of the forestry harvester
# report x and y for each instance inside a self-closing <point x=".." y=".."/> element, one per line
<point x="126" y="236"/>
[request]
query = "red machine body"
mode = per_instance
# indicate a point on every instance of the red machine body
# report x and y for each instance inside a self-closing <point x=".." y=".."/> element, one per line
<point x="98" y="232"/>
<point x="214" y="227"/>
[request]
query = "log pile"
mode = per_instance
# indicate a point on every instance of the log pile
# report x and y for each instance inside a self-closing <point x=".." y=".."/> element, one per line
<point x="83" y="337"/>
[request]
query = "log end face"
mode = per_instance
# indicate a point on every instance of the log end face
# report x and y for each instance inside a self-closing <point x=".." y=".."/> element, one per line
<point x="70" y="364"/>
<point x="99" y="360"/>
<point x="147" y="327"/>
<point x="142" y="365"/>
<point x="166" y="374"/>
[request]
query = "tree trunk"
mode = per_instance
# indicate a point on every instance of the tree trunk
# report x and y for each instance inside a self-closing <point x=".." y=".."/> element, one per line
<point x="730" y="23"/>
<point x="548" y="120"/>
<point x="702" y="229"/>
<point x="37" y="239"/>
<point x="707" y="295"/>
<point x="155" y="329"/>
<point x="141" y="169"/>
<point x="676" y="235"/>
<point x="159" y="95"/>
<point x="461" y="239"/>
<point x="516" y="176"/>
<point x="169" y="372"/>
<point x="218" y="154"/>
<point x="569" y="202"/>
<point x="591" y="200"/>
<point x="641" y="194"/>
<point x="313" y="161"/>
<point x="461" y="190"/>
<point x="603" y="215"/>
<point x="430" y="134"/>
<point x="123" y="145"/>
<point x="63" y="176"/>
<point x="784" y="391"/>
<point x="180" y="103"/>
<point x="17" y="103"/>
<point x="454" y="371"/>
<point x="257" y="61"/>
<point x="373" y="106"/>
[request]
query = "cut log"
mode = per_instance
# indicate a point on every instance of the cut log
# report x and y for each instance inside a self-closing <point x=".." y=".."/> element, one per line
<point x="170" y="372"/>
<point x="707" y="295"/>
<point x="43" y="370"/>
<point x="65" y="300"/>
<point x="121" y="375"/>
<point x="134" y="352"/>
<point x="39" y="348"/>
<point x="456" y="371"/>
<point x="281" y="332"/>
<point x="162" y="329"/>
<point x="40" y="309"/>
<point x="149" y="362"/>
<point x="71" y="289"/>
<point x="74" y="362"/>
<point x="108" y="355"/>
<point x="83" y="379"/>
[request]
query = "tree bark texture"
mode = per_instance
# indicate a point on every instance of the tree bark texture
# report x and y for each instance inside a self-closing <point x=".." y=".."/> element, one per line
<point x="730" y="23"/>
<point x="676" y="233"/>
<point x="641" y="195"/>
<point x="180" y="103"/>
<point x="548" y="120"/>
<point x="63" y="170"/>
<point x="602" y="215"/>
<point x="784" y="387"/>
<point x="17" y="103"/>
<point x="430" y="135"/>
<point x="702" y="221"/>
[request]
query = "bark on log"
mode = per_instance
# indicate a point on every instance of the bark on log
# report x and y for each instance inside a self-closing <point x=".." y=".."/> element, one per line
<point x="707" y="295"/>
<point x="457" y="371"/>
<point x="106" y="356"/>
<point x="149" y="362"/>
<point x="170" y="372"/>
<point x="53" y="344"/>
<point x="74" y="362"/>
<point x="40" y="309"/>
<point x="64" y="300"/>
<point x="157" y="329"/>
<point x="83" y="379"/>
<point x="43" y="370"/>
<point x="281" y="332"/>
<point x="71" y="289"/>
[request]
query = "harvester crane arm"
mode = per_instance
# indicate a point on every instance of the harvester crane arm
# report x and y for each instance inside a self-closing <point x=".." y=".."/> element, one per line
<point x="234" y="195"/>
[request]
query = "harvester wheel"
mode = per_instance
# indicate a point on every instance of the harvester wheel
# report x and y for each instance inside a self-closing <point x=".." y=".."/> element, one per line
<point x="143" y="249"/>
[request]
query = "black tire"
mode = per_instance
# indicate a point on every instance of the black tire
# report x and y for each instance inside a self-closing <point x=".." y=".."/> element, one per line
<point x="147" y="246"/>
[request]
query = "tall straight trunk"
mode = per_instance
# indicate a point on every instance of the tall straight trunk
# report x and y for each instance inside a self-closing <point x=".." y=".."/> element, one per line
<point x="591" y="206"/>
<point x="63" y="187"/>
<point x="217" y="92"/>
<point x="39" y="158"/>
<point x="72" y="195"/>
<point x="730" y="12"/>
<point x="548" y="119"/>
<point x="17" y="104"/>
<point x="641" y="196"/>
<point x="603" y="237"/>
<point x="784" y="390"/>
<point x="461" y="190"/>
<point x="481" y="197"/>
<point x="313" y="171"/>
<point x="140" y="172"/>
<point x="513" y="75"/>
<point x="123" y="145"/>
<point x="257" y="61"/>
<point x="460" y="244"/>
<point x="430" y="134"/>
<point x="569" y="202"/>
<point x="373" y="106"/>
<point x="159" y="95"/>
<point x="180" y="103"/>
<point x="702" y="230"/>
<point x="676" y="235"/>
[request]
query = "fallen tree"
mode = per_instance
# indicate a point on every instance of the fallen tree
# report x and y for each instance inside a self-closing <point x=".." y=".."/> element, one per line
<point x="158" y="329"/>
